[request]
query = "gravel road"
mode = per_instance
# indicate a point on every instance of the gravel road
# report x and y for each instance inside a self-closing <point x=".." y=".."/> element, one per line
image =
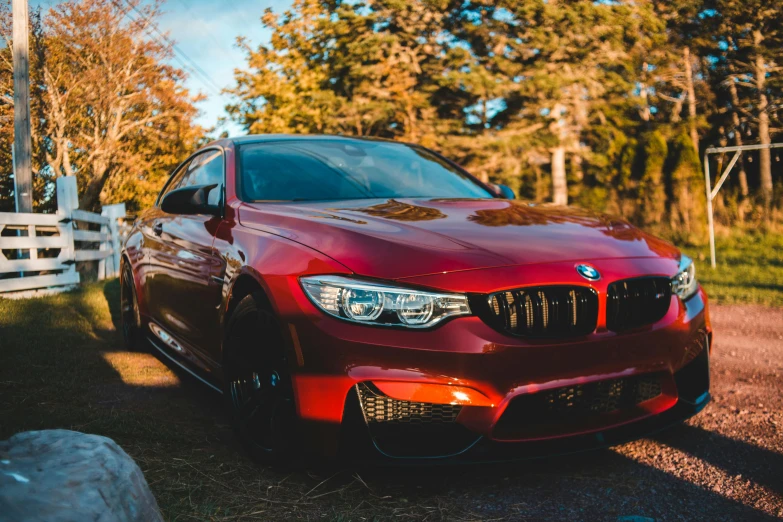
<point x="724" y="464"/>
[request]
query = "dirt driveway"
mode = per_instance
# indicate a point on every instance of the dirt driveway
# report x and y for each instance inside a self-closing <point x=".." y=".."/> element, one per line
<point x="725" y="464"/>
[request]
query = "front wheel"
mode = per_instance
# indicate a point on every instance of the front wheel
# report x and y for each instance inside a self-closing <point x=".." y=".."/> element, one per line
<point x="129" y="308"/>
<point x="258" y="384"/>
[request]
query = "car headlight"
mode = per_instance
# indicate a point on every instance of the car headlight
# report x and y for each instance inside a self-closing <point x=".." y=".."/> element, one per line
<point x="684" y="283"/>
<point x="379" y="304"/>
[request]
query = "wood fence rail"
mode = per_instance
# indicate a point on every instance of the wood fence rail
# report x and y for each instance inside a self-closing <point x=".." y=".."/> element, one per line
<point x="39" y="252"/>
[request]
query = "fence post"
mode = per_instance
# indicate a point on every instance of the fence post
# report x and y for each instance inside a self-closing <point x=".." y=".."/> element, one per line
<point x="102" y="264"/>
<point x="67" y="201"/>
<point x="114" y="213"/>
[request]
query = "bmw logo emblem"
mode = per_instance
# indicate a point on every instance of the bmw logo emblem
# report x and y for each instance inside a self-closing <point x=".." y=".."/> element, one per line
<point x="588" y="272"/>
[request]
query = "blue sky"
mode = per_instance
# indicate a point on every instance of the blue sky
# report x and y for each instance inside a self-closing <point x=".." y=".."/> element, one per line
<point x="205" y="31"/>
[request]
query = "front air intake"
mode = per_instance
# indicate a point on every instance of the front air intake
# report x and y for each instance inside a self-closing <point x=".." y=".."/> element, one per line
<point x="545" y="311"/>
<point x="637" y="302"/>
<point x="561" y="409"/>
<point x="378" y="408"/>
<point x="412" y="429"/>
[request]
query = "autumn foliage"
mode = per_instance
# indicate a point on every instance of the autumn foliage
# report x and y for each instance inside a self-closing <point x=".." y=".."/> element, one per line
<point x="111" y="110"/>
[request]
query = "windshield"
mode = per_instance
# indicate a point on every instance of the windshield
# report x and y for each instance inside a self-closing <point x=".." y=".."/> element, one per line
<point x="310" y="170"/>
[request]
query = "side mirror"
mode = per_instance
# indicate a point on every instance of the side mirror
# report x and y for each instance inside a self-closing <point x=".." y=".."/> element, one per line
<point x="190" y="200"/>
<point x="503" y="191"/>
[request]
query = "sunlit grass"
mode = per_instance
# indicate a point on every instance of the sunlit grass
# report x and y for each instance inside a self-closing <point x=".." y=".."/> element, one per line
<point x="141" y="369"/>
<point x="750" y="267"/>
<point x="55" y="351"/>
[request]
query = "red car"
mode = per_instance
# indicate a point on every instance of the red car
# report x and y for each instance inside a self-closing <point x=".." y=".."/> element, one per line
<point x="368" y="295"/>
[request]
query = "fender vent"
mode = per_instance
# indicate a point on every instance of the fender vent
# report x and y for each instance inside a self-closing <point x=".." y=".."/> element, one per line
<point x="379" y="408"/>
<point x="407" y="429"/>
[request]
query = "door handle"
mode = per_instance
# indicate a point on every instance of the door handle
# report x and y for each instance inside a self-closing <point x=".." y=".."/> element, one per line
<point x="157" y="228"/>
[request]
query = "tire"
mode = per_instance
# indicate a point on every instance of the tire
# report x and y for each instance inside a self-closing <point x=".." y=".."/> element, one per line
<point x="258" y="386"/>
<point x="129" y="308"/>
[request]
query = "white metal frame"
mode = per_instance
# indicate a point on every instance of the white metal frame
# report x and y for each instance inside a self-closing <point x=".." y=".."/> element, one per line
<point x="712" y="192"/>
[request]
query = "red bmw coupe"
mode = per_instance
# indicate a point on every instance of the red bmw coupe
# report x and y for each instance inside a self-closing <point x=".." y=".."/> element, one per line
<point x="372" y="296"/>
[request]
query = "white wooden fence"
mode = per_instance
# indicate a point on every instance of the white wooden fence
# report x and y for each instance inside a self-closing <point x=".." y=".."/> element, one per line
<point x="39" y="252"/>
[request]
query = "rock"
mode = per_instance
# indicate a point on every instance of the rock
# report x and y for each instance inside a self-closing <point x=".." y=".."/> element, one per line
<point x="65" y="476"/>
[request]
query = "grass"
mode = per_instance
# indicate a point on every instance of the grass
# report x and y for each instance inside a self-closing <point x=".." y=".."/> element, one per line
<point x="749" y="267"/>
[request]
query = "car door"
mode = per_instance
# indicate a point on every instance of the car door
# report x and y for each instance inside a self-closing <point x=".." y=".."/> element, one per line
<point x="183" y="298"/>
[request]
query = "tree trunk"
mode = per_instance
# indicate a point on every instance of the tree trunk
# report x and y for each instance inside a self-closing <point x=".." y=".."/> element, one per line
<point x="694" y="132"/>
<point x="90" y="198"/>
<point x="540" y="184"/>
<point x="644" y="94"/>
<point x="578" y="167"/>
<point x="559" y="185"/>
<point x="743" y="176"/>
<point x="411" y="125"/>
<point x="765" y="156"/>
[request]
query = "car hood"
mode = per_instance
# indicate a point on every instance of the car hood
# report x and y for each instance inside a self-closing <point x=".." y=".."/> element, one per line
<point x="398" y="238"/>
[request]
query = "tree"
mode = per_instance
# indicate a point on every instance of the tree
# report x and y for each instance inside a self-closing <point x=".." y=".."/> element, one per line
<point x="116" y="105"/>
<point x="681" y="76"/>
<point x="363" y="69"/>
<point x="283" y="91"/>
<point x="6" y="115"/>
<point x="687" y="206"/>
<point x="110" y="110"/>
<point x="750" y="43"/>
<point x="568" y="59"/>
<point x="652" y="190"/>
<point x="600" y="93"/>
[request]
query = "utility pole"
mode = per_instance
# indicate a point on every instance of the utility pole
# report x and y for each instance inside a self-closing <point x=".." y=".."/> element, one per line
<point x="23" y="175"/>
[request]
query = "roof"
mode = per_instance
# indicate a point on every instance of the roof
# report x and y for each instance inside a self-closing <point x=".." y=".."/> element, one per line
<point x="259" y="138"/>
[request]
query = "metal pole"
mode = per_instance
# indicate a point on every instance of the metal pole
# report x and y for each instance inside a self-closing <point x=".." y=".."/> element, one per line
<point x="709" y="208"/>
<point x="737" y="149"/>
<point x="734" y="148"/>
<point x="23" y="177"/>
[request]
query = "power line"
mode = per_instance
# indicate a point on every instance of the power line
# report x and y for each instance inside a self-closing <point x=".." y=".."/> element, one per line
<point x="196" y="68"/>
<point x="210" y="33"/>
<point x="179" y="55"/>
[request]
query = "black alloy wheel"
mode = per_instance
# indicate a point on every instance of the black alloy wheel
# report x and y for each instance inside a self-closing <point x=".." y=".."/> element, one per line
<point x="129" y="308"/>
<point x="258" y="382"/>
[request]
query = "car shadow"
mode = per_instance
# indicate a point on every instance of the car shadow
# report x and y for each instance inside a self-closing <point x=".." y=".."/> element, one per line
<point x="735" y="457"/>
<point x="112" y="292"/>
<point x="594" y="485"/>
<point x="63" y="365"/>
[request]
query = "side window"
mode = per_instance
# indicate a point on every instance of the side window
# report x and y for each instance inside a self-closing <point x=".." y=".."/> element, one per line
<point x="205" y="169"/>
<point x="174" y="181"/>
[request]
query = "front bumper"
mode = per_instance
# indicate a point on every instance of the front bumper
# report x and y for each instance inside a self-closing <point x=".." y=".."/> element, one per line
<point x="494" y="370"/>
<point x="360" y="442"/>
